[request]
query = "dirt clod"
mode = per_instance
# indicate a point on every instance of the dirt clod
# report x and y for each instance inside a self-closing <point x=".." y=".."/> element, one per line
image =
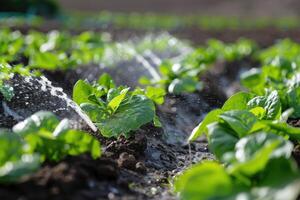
<point x="127" y="160"/>
<point x="141" y="168"/>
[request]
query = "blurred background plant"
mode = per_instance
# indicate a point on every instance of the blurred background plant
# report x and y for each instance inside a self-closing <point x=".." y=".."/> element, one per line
<point x="47" y="8"/>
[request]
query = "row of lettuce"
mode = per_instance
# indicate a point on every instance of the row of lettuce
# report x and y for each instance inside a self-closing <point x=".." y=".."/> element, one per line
<point x="251" y="137"/>
<point x="149" y="21"/>
<point x="61" y="51"/>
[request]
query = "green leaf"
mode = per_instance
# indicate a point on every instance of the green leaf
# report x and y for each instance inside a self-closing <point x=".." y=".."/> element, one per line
<point x="79" y="142"/>
<point x="15" y="162"/>
<point x="81" y="92"/>
<point x="259" y="112"/>
<point x="293" y="95"/>
<point x="276" y="183"/>
<point x="282" y="128"/>
<point x="255" y="151"/>
<point x="237" y="101"/>
<point x="156" y="94"/>
<point x="95" y="112"/>
<point x="116" y="101"/>
<point x="11" y="145"/>
<point x="12" y="171"/>
<point x="116" y="110"/>
<point x="217" y="182"/>
<point x="271" y="103"/>
<point x="106" y="81"/>
<point x="7" y="91"/>
<point x="241" y="121"/>
<point x="251" y="78"/>
<point x="46" y="60"/>
<point x="53" y="139"/>
<point x="39" y="121"/>
<point x="286" y="114"/>
<point x="133" y="113"/>
<point x="211" y="117"/>
<point x="156" y="121"/>
<point x="219" y="135"/>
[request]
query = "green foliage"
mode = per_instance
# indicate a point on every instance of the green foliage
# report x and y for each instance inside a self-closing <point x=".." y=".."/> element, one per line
<point x="270" y="103"/>
<point x="250" y="135"/>
<point x="250" y="115"/>
<point x="52" y="51"/>
<point x="253" y="168"/>
<point x="184" y="76"/>
<point x="15" y="160"/>
<point x="154" y="21"/>
<point x="279" y="72"/>
<point x="53" y="139"/>
<point x="270" y="184"/>
<point x="38" y="138"/>
<point x="60" y="51"/>
<point x="217" y="182"/>
<point x="116" y="110"/>
<point x="7" y="72"/>
<point x="237" y="101"/>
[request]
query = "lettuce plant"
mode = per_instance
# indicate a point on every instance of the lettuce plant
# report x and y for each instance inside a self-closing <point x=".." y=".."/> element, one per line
<point x="250" y="136"/>
<point x="41" y="137"/>
<point x="246" y="112"/>
<point x="15" y="160"/>
<point x="115" y="110"/>
<point x="53" y="139"/>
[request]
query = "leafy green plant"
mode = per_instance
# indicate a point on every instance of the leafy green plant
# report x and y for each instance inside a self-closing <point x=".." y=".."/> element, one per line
<point x="246" y="113"/>
<point x="251" y="137"/>
<point x="115" y="110"/>
<point x="220" y="183"/>
<point x="40" y="137"/>
<point x="60" y="50"/>
<point x="249" y="134"/>
<point x="176" y="78"/>
<point x="184" y="76"/>
<point x="7" y="72"/>
<point x="253" y="165"/>
<point x="11" y="44"/>
<point x="15" y="160"/>
<point x="279" y="72"/>
<point x="154" y="21"/>
<point x="53" y="139"/>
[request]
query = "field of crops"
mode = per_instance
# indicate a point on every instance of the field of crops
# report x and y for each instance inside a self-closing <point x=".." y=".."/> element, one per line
<point x="127" y="108"/>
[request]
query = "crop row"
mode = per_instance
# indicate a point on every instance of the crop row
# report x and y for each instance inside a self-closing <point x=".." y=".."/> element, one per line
<point x="250" y="135"/>
<point x="150" y="21"/>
